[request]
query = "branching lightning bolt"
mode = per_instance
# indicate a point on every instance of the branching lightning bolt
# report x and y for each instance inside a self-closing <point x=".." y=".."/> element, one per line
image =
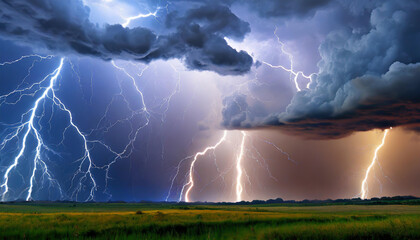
<point x="364" y="186"/>
<point x="294" y="75"/>
<point x="133" y="136"/>
<point x="260" y="159"/>
<point x="144" y="111"/>
<point x="190" y="184"/>
<point x="141" y="15"/>
<point x="135" y="85"/>
<point x="237" y="165"/>
<point x="167" y="100"/>
<point x="30" y="127"/>
<point x="25" y="57"/>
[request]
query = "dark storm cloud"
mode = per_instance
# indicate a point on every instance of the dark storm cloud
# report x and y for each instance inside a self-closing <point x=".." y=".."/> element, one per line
<point x="365" y="80"/>
<point x="199" y="36"/>
<point x="274" y="8"/>
<point x="64" y="26"/>
<point x="284" y="8"/>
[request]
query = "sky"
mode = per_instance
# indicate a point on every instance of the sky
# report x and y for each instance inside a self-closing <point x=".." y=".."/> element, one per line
<point x="188" y="100"/>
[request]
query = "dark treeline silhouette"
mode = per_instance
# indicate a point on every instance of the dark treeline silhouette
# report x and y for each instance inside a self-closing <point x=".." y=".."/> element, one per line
<point x="396" y="200"/>
<point x="400" y="200"/>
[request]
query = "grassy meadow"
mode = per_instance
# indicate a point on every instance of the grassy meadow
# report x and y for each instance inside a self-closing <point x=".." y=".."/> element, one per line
<point x="173" y="221"/>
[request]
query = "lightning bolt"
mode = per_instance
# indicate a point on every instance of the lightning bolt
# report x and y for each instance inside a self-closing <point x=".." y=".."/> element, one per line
<point x="135" y="85"/>
<point x="239" y="188"/>
<point x="132" y="120"/>
<point x="83" y="175"/>
<point x="128" y="148"/>
<point x="25" y="57"/>
<point x="260" y="159"/>
<point x="30" y="127"/>
<point x="141" y="15"/>
<point x="240" y="171"/>
<point x="294" y="75"/>
<point x="364" y="186"/>
<point x="250" y="153"/>
<point x="167" y="100"/>
<point x="280" y="150"/>
<point x="190" y="184"/>
<point x="85" y="159"/>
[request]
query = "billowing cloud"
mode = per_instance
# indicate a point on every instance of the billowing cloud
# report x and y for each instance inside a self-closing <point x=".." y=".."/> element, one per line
<point x="366" y="80"/>
<point x="197" y="36"/>
<point x="274" y="8"/>
<point x="282" y="8"/>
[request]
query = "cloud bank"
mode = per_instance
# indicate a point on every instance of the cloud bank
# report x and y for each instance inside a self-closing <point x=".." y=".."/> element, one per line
<point x="64" y="26"/>
<point x="281" y="8"/>
<point x="366" y="80"/>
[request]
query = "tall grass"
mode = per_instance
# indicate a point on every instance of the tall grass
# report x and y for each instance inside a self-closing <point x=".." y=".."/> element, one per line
<point x="402" y="227"/>
<point x="328" y="222"/>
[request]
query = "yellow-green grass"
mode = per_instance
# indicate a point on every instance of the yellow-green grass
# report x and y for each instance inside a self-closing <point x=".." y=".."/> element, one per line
<point x="166" y="221"/>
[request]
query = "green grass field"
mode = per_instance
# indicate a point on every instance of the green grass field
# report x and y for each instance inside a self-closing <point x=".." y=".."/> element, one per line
<point x="172" y="221"/>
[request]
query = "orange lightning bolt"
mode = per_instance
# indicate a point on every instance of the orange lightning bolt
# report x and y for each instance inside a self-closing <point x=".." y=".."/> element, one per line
<point x="364" y="187"/>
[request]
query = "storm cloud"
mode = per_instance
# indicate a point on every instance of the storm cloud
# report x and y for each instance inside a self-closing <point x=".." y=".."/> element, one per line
<point x="366" y="80"/>
<point x="64" y="26"/>
<point x="281" y="8"/>
<point x="367" y="77"/>
<point x="274" y="8"/>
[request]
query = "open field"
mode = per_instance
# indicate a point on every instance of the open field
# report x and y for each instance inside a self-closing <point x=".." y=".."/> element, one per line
<point x="173" y="221"/>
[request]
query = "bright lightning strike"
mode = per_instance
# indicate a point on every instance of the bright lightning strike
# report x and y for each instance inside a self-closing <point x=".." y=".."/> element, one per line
<point x="239" y="188"/>
<point x="29" y="125"/>
<point x="141" y="15"/>
<point x="294" y="75"/>
<point x="190" y="184"/>
<point x="243" y="152"/>
<point x="30" y="129"/>
<point x="364" y="187"/>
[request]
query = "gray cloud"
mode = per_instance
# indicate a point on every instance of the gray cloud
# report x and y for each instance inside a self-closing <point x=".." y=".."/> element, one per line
<point x="283" y="8"/>
<point x="274" y="8"/>
<point x="64" y="26"/>
<point x="366" y="80"/>
<point x="199" y="36"/>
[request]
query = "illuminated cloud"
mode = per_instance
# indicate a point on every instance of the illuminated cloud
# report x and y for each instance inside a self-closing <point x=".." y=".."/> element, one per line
<point x="64" y="26"/>
<point x="366" y="80"/>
